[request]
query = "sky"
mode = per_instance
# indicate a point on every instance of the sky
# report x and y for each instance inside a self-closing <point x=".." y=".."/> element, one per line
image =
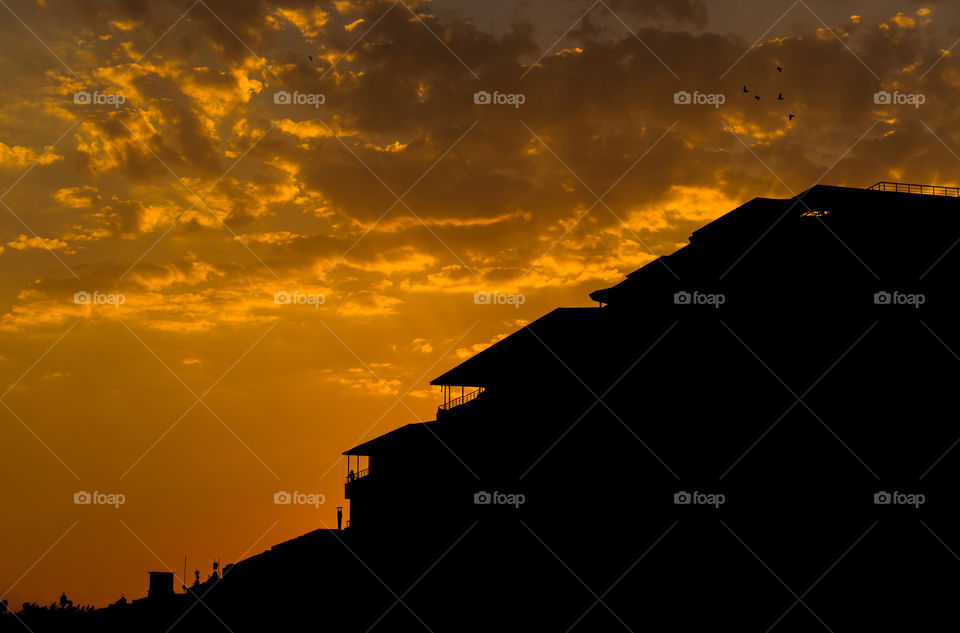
<point x="239" y="237"/>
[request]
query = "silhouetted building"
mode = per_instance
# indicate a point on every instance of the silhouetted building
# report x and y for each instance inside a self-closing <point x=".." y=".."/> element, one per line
<point x="796" y="359"/>
<point x="725" y="442"/>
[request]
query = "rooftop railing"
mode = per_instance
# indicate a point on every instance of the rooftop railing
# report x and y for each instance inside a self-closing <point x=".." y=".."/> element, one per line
<point x="926" y="190"/>
<point x="353" y="476"/>
<point x="446" y="406"/>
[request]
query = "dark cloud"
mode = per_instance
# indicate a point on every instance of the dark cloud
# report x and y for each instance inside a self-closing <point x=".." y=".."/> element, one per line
<point x="501" y="195"/>
<point x="691" y="12"/>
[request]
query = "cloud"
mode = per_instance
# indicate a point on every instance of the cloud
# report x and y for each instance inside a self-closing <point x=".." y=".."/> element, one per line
<point x="491" y="196"/>
<point x="272" y="237"/>
<point x="466" y="352"/>
<point x="83" y="197"/>
<point x="19" y="156"/>
<point x="422" y="346"/>
<point x="183" y="273"/>
<point x="361" y="380"/>
<point x="23" y="243"/>
<point x="368" y="304"/>
<point x="693" y="12"/>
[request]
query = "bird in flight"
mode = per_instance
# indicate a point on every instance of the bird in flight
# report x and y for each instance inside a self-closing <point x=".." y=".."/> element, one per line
<point x="779" y="69"/>
<point x="780" y="97"/>
<point x="757" y="97"/>
<point x="745" y="89"/>
<point x="791" y="117"/>
<point x="310" y="57"/>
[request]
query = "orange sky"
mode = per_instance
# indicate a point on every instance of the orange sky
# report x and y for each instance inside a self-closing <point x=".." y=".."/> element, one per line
<point x="148" y="159"/>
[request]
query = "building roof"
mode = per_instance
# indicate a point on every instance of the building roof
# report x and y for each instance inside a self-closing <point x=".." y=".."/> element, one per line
<point x="788" y="230"/>
<point x="395" y="439"/>
<point x="522" y="351"/>
<point x="722" y="242"/>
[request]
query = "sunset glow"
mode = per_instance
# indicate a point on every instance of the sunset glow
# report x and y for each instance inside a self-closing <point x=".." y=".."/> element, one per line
<point x="238" y="238"/>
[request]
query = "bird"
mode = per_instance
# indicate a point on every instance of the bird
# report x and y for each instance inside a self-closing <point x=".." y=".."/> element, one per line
<point x="310" y="57"/>
<point x="779" y="69"/>
<point x="780" y="97"/>
<point x="757" y="97"/>
<point x="791" y="117"/>
<point x="745" y="89"/>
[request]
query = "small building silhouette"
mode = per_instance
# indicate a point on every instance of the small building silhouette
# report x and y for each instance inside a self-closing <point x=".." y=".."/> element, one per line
<point x="161" y="585"/>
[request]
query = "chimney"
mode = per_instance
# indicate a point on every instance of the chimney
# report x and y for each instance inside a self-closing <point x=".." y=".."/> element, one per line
<point x="161" y="585"/>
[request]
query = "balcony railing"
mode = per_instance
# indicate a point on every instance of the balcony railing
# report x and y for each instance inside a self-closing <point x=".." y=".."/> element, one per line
<point x="446" y="406"/>
<point x="357" y="475"/>
<point x="927" y="190"/>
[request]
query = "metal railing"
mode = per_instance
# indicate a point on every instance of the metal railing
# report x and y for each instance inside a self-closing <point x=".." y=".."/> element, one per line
<point x="446" y="406"/>
<point x="357" y="475"/>
<point x="927" y="190"/>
